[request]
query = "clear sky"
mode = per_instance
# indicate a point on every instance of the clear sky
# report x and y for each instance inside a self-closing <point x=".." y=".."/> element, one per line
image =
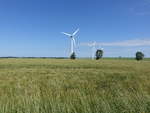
<point x="32" y="27"/>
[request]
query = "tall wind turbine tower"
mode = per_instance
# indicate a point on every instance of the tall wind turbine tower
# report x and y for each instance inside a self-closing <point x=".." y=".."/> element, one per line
<point x="72" y="38"/>
<point x="93" y="45"/>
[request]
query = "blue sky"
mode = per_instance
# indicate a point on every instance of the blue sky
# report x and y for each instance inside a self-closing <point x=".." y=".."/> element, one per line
<point x="32" y="27"/>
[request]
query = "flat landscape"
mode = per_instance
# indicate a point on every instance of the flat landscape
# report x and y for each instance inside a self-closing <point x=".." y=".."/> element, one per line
<point x="74" y="86"/>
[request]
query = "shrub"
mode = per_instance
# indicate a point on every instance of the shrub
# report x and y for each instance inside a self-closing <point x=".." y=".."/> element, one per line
<point x="139" y="55"/>
<point x="99" y="54"/>
<point x="73" y="56"/>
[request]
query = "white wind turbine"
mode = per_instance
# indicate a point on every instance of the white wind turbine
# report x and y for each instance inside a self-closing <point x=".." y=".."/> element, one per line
<point x="72" y="37"/>
<point x="93" y="45"/>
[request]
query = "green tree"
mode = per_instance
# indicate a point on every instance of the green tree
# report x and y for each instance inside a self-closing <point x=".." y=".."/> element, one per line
<point x="139" y="55"/>
<point x="73" y="56"/>
<point x="99" y="54"/>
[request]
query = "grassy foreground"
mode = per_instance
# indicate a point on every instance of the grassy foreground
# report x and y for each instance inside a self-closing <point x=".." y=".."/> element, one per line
<point x="80" y="86"/>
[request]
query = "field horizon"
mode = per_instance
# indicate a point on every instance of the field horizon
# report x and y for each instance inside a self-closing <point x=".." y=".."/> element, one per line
<point x="29" y="57"/>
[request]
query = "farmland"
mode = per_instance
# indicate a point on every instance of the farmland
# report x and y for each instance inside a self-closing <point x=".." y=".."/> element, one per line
<point x="74" y="86"/>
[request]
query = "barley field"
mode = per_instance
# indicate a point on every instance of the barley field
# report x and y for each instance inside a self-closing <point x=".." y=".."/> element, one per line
<point x="74" y="86"/>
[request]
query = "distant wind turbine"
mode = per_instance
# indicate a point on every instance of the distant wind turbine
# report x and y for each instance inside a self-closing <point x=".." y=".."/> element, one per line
<point x="93" y="45"/>
<point x="72" y="37"/>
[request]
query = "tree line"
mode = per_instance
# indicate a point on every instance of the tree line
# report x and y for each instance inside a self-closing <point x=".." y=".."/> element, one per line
<point x="99" y="54"/>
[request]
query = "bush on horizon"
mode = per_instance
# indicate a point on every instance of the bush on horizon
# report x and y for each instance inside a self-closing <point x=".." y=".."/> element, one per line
<point x="99" y="54"/>
<point x="139" y="55"/>
<point x="73" y="56"/>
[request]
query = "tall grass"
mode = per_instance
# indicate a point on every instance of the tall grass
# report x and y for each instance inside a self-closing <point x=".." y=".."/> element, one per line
<point x="80" y="86"/>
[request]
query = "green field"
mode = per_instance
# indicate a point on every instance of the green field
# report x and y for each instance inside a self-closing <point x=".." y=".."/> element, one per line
<point x="74" y="86"/>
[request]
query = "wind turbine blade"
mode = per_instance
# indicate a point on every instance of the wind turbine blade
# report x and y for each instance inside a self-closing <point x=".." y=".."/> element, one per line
<point x="90" y="45"/>
<point x="75" y="32"/>
<point x="66" y="34"/>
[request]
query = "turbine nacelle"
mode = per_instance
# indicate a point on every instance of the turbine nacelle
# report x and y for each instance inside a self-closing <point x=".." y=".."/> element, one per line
<point x="71" y="37"/>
